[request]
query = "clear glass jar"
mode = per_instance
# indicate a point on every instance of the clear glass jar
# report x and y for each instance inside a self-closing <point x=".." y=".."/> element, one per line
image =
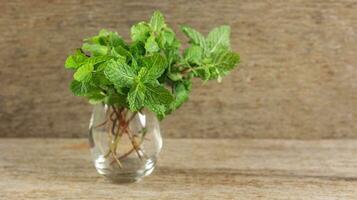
<point x="124" y="145"/>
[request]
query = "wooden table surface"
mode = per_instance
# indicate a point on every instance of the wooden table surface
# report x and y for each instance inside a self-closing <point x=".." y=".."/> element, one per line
<point x="187" y="169"/>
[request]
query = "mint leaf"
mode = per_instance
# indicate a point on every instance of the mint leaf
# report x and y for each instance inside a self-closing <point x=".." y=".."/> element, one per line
<point x="166" y="37"/>
<point x="154" y="67"/>
<point x="115" y="40"/>
<point x="81" y="88"/>
<point x="115" y="98"/>
<point x="136" y="97"/>
<point x="116" y="55"/>
<point x="104" y="38"/>
<point x="95" y="49"/>
<point x="174" y="76"/>
<point x="95" y="61"/>
<point x="157" y="21"/>
<point x="98" y="78"/>
<point x="76" y="60"/>
<point x="78" y="88"/>
<point x="219" y="37"/>
<point x="122" y="51"/>
<point x="71" y="63"/>
<point x="84" y="73"/>
<point x="119" y="73"/>
<point x="151" y="45"/>
<point x="95" y="98"/>
<point x="99" y="39"/>
<point x="194" y="36"/>
<point x="140" y="32"/>
<point x="104" y="32"/>
<point x="218" y="65"/>
<point x="193" y="54"/>
<point x="225" y="59"/>
<point x="169" y="36"/>
<point x="182" y="91"/>
<point x="157" y="98"/>
<point x="154" y="96"/>
<point x="137" y="49"/>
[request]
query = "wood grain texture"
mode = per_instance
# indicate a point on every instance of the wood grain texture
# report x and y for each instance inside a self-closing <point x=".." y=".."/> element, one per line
<point x="297" y="78"/>
<point x="187" y="169"/>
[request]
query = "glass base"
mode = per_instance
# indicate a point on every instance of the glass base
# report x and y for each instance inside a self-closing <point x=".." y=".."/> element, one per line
<point x="132" y="170"/>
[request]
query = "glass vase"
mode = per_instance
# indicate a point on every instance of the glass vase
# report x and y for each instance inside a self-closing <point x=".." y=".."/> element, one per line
<point x="124" y="145"/>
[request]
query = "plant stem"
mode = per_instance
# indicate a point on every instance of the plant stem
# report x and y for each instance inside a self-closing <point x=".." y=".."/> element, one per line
<point x="117" y="127"/>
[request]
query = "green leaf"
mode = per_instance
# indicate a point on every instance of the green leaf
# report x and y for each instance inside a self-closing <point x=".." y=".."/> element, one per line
<point x="95" y="98"/>
<point x="136" y="97"/>
<point x="100" y="38"/>
<point x="117" y="56"/>
<point x="100" y="79"/>
<point x="140" y="32"/>
<point x="154" y="67"/>
<point x="225" y="60"/>
<point x="137" y="49"/>
<point x="194" y="36"/>
<point x="157" y="21"/>
<point x="104" y="32"/>
<point x="151" y="45"/>
<point x="81" y="88"/>
<point x="166" y="37"/>
<point x="115" y="40"/>
<point x="106" y="38"/>
<point x="101" y="66"/>
<point x="95" y="49"/>
<point x="169" y="36"/>
<point x="154" y="96"/>
<point x="219" y="64"/>
<point x="173" y="55"/>
<point x="182" y="91"/>
<point x="97" y="60"/>
<point x="78" y="88"/>
<point x="121" y="51"/>
<point x="84" y="73"/>
<point x="219" y="37"/>
<point x="193" y="54"/>
<point x="114" y="98"/>
<point x="119" y="73"/>
<point x="71" y="63"/>
<point x="175" y="76"/>
<point x="157" y="98"/>
<point x="76" y="60"/>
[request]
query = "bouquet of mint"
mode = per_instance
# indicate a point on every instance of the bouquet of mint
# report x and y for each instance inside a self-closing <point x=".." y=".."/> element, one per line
<point x="126" y="79"/>
<point x="150" y="71"/>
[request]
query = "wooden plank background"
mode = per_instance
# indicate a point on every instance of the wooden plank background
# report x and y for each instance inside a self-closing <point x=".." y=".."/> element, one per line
<point x="298" y="77"/>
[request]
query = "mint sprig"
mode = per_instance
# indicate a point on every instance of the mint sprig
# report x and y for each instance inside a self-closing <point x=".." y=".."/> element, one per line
<point x="150" y="71"/>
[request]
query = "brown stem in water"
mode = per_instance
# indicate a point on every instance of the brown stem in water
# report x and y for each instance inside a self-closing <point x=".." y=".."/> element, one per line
<point x="129" y="152"/>
<point x="136" y="146"/>
<point x="118" y="125"/>
<point x="102" y="124"/>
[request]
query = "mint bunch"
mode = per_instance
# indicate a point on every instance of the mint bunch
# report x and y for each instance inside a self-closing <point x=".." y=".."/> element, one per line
<point x="150" y="71"/>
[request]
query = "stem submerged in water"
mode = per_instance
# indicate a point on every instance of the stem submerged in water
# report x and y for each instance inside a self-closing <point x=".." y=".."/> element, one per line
<point x="118" y="126"/>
